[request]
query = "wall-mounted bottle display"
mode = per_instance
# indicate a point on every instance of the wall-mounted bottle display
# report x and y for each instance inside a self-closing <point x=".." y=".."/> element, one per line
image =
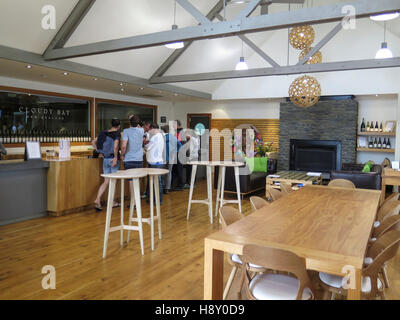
<point x="44" y="118"/>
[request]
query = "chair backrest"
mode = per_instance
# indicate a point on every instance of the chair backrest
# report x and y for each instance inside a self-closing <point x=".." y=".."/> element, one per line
<point x="387" y="210"/>
<point x="278" y="260"/>
<point x="229" y="215"/>
<point x="343" y="183"/>
<point x="383" y="249"/>
<point x="274" y="194"/>
<point x="286" y="187"/>
<point x="393" y="197"/>
<point x="388" y="224"/>
<point x="258" y="203"/>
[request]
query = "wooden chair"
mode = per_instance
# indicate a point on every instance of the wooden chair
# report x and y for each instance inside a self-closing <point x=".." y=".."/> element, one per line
<point x="343" y="183"/>
<point x="389" y="224"/>
<point x="286" y="187"/>
<point x="230" y="215"/>
<point x="387" y="210"/>
<point x="276" y="286"/>
<point x="273" y="194"/>
<point x="383" y="249"/>
<point x="395" y="196"/>
<point x="258" y="202"/>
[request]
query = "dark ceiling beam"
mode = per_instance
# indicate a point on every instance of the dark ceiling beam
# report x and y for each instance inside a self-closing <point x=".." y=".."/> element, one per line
<point x="281" y="20"/>
<point x="67" y="29"/>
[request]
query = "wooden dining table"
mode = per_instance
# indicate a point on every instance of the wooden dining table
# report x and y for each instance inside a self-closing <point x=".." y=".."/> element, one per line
<point x="329" y="227"/>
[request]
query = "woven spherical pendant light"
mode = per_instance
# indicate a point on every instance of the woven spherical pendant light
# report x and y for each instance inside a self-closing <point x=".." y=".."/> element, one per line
<point x="305" y="91"/>
<point x="315" y="58"/>
<point x="301" y="37"/>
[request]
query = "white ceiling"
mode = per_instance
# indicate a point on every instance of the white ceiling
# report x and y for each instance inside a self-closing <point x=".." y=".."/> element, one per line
<point x="20" y="27"/>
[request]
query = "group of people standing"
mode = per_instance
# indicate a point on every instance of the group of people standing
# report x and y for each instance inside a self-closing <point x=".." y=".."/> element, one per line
<point x="162" y="149"/>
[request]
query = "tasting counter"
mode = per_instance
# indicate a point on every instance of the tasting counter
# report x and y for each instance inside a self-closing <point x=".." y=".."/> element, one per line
<point x="23" y="190"/>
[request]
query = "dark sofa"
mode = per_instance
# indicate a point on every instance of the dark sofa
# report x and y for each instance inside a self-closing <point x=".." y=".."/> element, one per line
<point x="248" y="183"/>
<point x="364" y="180"/>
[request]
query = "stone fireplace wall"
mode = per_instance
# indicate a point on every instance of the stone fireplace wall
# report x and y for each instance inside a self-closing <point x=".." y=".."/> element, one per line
<point x="326" y="120"/>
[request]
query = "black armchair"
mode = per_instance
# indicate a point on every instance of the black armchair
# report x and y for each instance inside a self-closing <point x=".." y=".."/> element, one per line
<point x="248" y="183"/>
<point x="364" y="180"/>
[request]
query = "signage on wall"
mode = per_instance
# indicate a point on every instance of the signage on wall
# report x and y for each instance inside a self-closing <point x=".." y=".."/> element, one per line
<point x="163" y="119"/>
<point x="44" y="113"/>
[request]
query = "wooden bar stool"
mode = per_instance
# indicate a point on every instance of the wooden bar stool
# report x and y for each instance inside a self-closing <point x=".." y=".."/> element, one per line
<point x="153" y="174"/>
<point x="221" y="184"/>
<point x="207" y="201"/>
<point x="135" y="197"/>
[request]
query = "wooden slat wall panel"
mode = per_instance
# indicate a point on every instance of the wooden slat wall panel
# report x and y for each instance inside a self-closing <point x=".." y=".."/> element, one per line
<point x="269" y="129"/>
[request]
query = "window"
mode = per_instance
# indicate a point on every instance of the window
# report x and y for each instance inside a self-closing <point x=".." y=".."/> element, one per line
<point x="109" y="109"/>
<point x="43" y="117"/>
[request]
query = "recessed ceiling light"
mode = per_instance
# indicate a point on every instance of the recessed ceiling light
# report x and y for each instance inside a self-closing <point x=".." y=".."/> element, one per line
<point x="141" y="88"/>
<point x="121" y="84"/>
<point x="28" y="66"/>
<point x="376" y="95"/>
<point x="122" y="89"/>
<point x="65" y="73"/>
<point x="95" y="79"/>
<point x="385" y="16"/>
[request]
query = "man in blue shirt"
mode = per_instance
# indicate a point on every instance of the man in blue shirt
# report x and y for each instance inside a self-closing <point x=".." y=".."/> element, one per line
<point x="132" y="146"/>
<point x="172" y="147"/>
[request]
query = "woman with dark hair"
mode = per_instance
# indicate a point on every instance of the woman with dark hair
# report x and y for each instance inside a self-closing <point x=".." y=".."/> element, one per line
<point x="107" y="144"/>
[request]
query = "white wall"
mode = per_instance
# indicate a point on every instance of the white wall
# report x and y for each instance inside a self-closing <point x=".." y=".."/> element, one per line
<point x="230" y="109"/>
<point x="377" y="108"/>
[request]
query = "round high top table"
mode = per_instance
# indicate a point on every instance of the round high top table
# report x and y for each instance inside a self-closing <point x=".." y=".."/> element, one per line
<point x="221" y="184"/>
<point x="221" y="177"/>
<point x="153" y="174"/>
<point x="135" y="195"/>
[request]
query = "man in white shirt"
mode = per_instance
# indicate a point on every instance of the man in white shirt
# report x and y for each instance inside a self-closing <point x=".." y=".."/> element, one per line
<point x="155" y="154"/>
<point x="192" y="154"/>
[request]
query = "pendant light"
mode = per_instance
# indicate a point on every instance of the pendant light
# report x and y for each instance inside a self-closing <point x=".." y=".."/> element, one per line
<point x="178" y="44"/>
<point x="384" y="52"/>
<point x="385" y="16"/>
<point x="242" y="65"/>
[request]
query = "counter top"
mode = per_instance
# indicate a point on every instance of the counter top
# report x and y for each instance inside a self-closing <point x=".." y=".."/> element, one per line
<point x="14" y="165"/>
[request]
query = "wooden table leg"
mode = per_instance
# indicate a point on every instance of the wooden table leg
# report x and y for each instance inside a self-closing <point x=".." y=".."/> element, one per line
<point x="209" y="194"/>
<point x="122" y="211"/>
<point x="383" y="192"/>
<point x="110" y="201"/>
<point x="136" y="188"/>
<point x="213" y="272"/>
<point x="221" y="203"/>
<point x="151" y="182"/>
<point x="157" y="191"/>
<point x="218" y="192"/>
<point x="354" y="292"/>
<point x="131" y="207"/>
<point x="237" y="180"/>
<point x="192" y="180"/>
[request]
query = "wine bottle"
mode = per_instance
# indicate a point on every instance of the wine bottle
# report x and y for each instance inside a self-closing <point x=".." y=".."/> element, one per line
<point x="384" y="143"/>
<point x="1" y="136"/>
<point x="381" y="127"/>
<point x="379" y="143"/>
<point x="375" y="143"/>
<point x="376" y="126"/>
<point x="368" y="126"/>
<point x="370" y="143"/>
<point x="362" y="129"/>
<point x="388" y="145"/>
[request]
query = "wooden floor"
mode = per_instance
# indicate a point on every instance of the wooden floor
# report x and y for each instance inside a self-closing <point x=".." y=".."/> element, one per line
<point x="73" y="245"/>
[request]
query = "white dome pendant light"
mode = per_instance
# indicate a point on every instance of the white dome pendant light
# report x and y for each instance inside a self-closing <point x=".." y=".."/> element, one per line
<point x="384" y="52"/>
<point x="242" y="65"/>
<point x="178" y="44"/>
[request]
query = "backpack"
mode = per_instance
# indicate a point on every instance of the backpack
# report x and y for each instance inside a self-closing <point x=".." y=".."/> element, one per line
<point x="107" y="147"/>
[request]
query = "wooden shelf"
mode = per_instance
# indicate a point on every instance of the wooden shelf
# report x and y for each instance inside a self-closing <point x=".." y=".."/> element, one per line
<point x="377" y="134"/>
<point x="375" y="150"/>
